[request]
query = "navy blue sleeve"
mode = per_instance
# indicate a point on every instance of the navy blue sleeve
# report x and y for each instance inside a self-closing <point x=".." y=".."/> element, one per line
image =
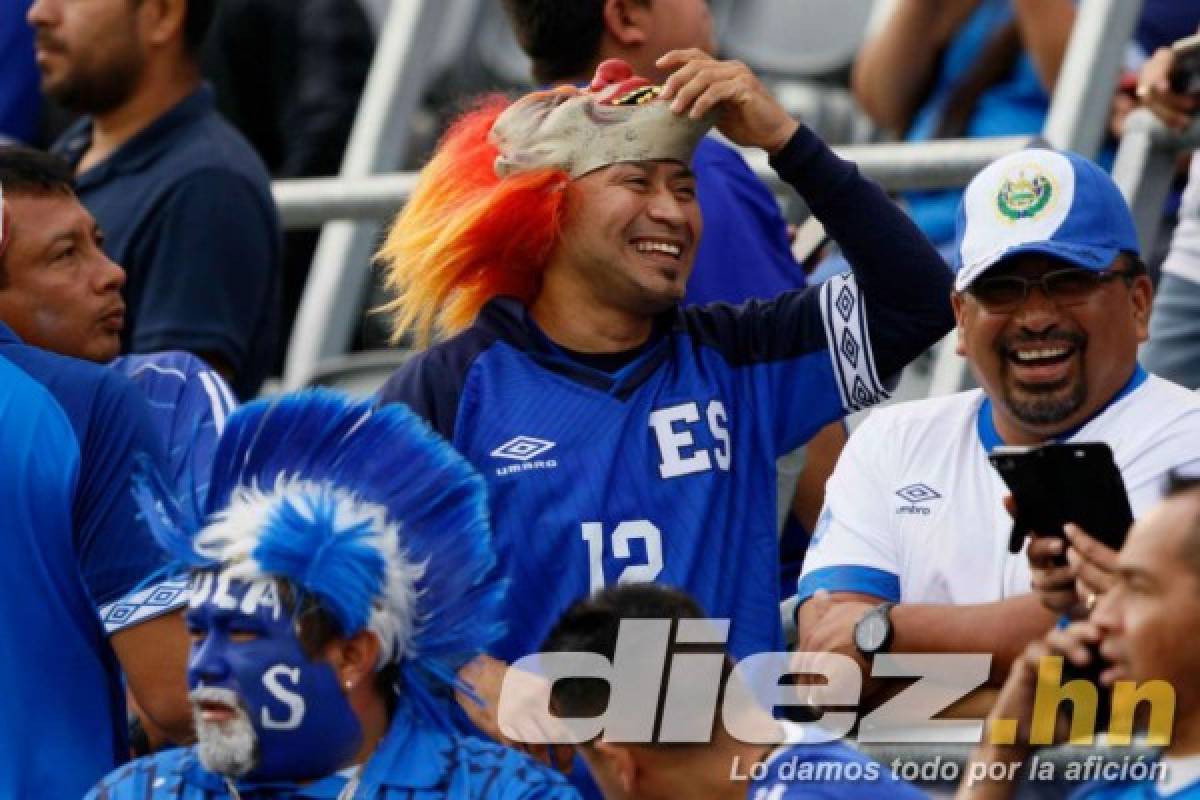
<point x="431" y="382"/>
<point x="905" y="284"/>
<point x="812" y="356"/>
<point x="116" y="551"/>
<point x="744" y="253"/>
<point x="211" y="261"/>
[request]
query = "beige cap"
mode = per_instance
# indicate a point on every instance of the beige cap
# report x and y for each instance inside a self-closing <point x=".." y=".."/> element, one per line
<point x="619" y="118"/>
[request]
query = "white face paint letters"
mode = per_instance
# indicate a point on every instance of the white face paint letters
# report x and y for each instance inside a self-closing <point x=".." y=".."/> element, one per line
<point x="261" y="594"/>
<point x="294" y="701"/>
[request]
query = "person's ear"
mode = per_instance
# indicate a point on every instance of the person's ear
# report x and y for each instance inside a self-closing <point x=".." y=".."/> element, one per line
<point x="161" y="21"/>
<point x="1141" y="293"/>
<point x="627" y="21"/>
<point x="958" y="302"/>
<point x="353" y="658"/>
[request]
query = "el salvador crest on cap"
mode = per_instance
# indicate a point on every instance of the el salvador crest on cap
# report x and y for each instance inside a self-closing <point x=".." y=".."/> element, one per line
<point x="1025" y="193"/>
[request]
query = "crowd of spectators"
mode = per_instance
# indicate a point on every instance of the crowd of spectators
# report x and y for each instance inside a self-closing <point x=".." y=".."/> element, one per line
<point x="615" y="347"/>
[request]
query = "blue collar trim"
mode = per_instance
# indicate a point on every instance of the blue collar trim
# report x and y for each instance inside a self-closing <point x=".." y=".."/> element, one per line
<point x="985" y="425"/>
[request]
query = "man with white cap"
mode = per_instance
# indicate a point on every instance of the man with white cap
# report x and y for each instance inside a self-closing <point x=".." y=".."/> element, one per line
<point x="1051" y="301"/>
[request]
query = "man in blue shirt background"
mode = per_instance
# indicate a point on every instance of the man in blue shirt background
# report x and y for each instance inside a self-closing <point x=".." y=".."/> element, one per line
<point x="82" y="604"/>
<point x="68" y="724"/>
<point x="60" y="292"/>
<point x="182" y="198"/>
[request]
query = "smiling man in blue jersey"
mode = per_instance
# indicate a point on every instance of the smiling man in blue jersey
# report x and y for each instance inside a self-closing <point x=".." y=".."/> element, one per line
<point x="745" y="253"/>
<point x="622" y="437"/>
<point x="1052" y="301"/>
<point x="339" y="578"/>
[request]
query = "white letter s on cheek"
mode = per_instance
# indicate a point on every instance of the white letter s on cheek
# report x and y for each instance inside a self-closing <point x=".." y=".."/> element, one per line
<point x="293" y="701"/>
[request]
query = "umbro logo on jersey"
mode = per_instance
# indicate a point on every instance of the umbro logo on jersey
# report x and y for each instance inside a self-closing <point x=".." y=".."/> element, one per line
<point x="916" y="494"/>
<point x="524" y="450"/>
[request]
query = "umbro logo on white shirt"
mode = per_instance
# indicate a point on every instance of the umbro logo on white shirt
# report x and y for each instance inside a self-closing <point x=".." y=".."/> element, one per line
<point x="523" y="450"/>
<point x="916" y="495"/>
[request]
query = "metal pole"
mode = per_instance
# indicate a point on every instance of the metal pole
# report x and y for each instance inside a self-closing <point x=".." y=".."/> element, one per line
<point x="1082" y="99"/>
<point x="1145" y="167"/>
<point x="310" y="202"/>
<point x="329" y="309"/>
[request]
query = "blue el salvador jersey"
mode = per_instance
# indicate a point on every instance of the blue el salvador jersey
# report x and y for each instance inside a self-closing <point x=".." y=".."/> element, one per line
<point x="74" y="556"/>
<point x="189" y="403"/>
<point x="664" y="470"/>
<point x="414" y="761"/>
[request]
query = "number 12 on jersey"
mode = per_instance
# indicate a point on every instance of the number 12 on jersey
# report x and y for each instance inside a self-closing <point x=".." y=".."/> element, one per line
<point x="619" y="540"/>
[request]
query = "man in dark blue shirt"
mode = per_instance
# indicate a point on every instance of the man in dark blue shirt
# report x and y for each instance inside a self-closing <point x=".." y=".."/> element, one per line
<point x="60" y="292"/>
<point x="184" y="201"/>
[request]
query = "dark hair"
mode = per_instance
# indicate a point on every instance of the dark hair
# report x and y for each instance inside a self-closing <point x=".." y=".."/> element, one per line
<point x="196" y="22"/>
<point x="316" y="628"/>
<point x="26" y="171"/>
<point x="592" y="625"/>
<point x="562" y="37"/>
<point x="1177" y="485"/>
<point x="1132" y="264"/>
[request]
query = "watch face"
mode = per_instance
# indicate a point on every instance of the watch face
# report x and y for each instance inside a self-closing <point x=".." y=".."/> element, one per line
<point x="871" y="632"/>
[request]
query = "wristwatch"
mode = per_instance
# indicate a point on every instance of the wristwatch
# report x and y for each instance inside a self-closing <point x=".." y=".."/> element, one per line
<point x="873" y="633"/>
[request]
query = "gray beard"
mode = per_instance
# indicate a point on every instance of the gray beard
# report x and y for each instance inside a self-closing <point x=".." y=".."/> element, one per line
<point x="226" y="748"/>
<point x="1050" y="410"/>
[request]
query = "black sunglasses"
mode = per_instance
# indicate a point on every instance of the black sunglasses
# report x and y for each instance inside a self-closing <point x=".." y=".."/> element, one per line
<point x="1065" y="287"/>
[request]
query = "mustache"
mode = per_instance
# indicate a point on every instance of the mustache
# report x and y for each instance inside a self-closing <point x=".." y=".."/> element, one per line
<point x="213" y="694"/>
<point x="1074" y="339"/>
<point x="46" y="41"/>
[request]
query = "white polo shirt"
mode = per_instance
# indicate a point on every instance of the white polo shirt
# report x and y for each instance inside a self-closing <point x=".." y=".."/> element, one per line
<point x="913" y="511"/>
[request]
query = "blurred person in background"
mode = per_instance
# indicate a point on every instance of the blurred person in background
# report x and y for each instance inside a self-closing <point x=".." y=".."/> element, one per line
<point x="288" y="74"/>
<point x="1174" y="347"/>
<point x="962" y="68"/>
<point x="20" y="100"/>
<point x="183" y="200"/>
<point x="979" y="68"/>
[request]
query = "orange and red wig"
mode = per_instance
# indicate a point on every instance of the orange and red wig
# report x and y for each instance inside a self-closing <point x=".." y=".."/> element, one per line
<point x="465" y="236"/>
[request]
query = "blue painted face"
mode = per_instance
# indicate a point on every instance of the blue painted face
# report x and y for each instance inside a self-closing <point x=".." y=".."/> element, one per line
<point x="245" y="652"/>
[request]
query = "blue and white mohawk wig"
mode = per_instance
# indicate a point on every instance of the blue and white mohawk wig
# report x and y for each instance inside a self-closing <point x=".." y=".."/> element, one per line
<point x="365" y="509"/>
